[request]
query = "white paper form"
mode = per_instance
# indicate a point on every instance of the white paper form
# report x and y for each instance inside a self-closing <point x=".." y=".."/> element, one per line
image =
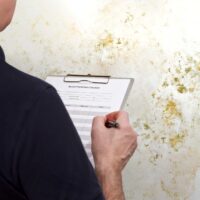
<point x="88" y="97"/>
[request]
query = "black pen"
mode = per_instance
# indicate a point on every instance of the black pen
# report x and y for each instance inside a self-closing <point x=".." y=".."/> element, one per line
<point x="112" y="124"/>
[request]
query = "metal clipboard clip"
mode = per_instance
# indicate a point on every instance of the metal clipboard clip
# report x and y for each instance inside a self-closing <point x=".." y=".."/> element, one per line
<point x="94" y="79"/>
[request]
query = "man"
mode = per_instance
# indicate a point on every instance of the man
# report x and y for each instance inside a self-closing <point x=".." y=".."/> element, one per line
<point x="41" y="155"/>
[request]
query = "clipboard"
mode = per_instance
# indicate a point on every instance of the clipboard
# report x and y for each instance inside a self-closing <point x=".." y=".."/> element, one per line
<point x="95" y="79"/>
<point x="92" y="79"/>
<point x="87" y="96"/>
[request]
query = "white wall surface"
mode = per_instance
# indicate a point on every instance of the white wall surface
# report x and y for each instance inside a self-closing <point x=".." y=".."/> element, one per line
<point x="155" y="41"/>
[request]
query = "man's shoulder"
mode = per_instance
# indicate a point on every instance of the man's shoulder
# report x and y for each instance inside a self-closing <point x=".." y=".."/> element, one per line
<point x="19" y="86"/>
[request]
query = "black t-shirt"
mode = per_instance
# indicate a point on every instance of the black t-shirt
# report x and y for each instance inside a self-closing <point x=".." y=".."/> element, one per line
<point x="41" y="155"/>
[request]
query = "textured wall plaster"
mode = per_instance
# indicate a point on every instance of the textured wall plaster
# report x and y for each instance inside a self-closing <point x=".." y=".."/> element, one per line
<point x="155" y="41"/>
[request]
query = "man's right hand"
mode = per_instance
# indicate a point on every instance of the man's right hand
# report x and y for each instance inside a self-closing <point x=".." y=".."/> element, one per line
<point x="112" y="148"/>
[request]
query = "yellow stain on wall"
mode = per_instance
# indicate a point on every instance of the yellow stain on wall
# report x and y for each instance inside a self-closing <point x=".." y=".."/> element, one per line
<point x="146" y="126"/>
<point x="198" y="67"/>
<point x="106" y="41"/>
<point x="173" y="195"/>
<point x="171" y="112"/>
<point x="176" y="140"/>
<point x="181" y="88"/>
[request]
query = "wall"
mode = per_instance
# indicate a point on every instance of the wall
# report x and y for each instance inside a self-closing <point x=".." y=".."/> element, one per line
<point x="155" y="41"/>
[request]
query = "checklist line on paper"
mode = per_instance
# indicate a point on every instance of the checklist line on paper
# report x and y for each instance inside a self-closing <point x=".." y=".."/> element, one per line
<point x="86" y="106"/>
<point x="81" y="128"/>
<point x="88" y="113"/>
<point x="84" y="121"/>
